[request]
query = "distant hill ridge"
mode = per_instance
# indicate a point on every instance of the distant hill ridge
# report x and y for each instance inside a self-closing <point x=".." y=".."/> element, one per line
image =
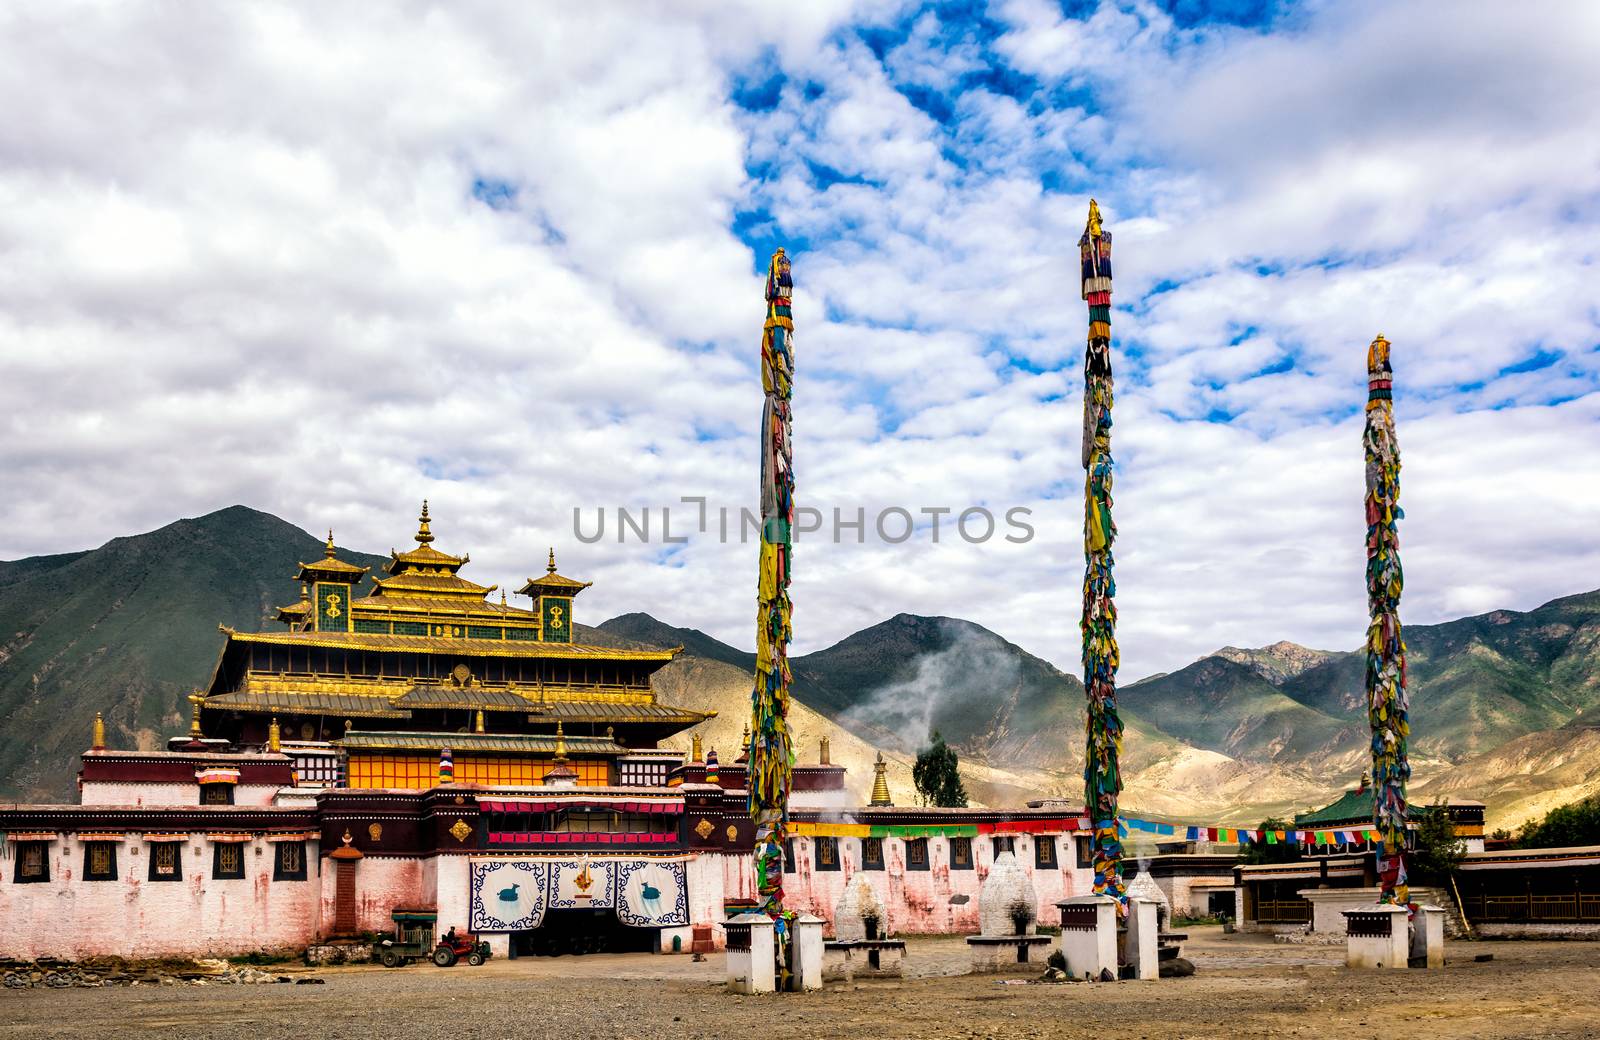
<point x="129" y="629"/>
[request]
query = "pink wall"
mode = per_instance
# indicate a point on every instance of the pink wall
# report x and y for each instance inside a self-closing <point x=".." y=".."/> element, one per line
<point x="135" y="917"/>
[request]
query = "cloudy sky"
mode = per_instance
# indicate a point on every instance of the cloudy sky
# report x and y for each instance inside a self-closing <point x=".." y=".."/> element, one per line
<point x="328" y="260"/>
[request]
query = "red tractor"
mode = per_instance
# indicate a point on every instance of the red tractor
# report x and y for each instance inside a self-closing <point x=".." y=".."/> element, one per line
<point x="453" y="947"/>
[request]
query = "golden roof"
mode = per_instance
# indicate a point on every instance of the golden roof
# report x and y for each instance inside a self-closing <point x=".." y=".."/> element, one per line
<point x="551" y="582"/>
<point x="459" y="647"/>
<point x="424" y="556"/>
<point x="468" y="742"/>
<point x="331" y="567"/>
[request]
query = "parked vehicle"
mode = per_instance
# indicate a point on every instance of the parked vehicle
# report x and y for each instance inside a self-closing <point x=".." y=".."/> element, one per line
<point x="452" y="948"/>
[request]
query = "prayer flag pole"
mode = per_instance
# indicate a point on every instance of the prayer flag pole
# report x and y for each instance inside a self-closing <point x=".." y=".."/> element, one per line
<point x="1102" y="777"/>
<point x="770" y="755"/>
<point x="1387" y="703"/>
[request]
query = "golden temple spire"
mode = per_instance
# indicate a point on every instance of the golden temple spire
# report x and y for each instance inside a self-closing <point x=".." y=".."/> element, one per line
<point x="477" y="723"/>
<point x="550" y="568"/>
<point x="561" y="743"/>
<point x="194" y="716"/>
<point x="825" y="755"/>
<point x="880" y="783"/>
<point x="274" y="736"/>
<point x="696" y="748"/>
<point x="99" y="743"/>
<point x="328" y="551"/>
<point x="424" y="535"/>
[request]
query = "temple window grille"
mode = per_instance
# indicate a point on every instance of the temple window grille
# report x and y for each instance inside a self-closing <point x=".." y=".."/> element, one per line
<point x="33" y="862"/>
<point x="216" y="794"/>
<point x="318" y="770"/>
<point x="1085" y="849"/>
<point x="1044" y="852"/>
<point x="227" y="862"/>
<point x="827" y="853"/>
<point x="1001" y="844"/>
<point x="871" y="853"/>
<point x="166" y="861"/>
<point x="289" y="862"/>
<point x="961" y="854"/>
<point x="642" y="774"/>
<point x="916" y="853"/>
<point x="100" y="861"/>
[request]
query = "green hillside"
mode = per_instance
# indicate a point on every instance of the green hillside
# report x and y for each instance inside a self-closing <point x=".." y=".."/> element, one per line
<point x="129" y="629"/>
<point x="1479" y="681"/>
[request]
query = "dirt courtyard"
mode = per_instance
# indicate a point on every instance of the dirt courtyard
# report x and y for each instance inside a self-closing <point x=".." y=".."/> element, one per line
<point x="1245" y="986"/>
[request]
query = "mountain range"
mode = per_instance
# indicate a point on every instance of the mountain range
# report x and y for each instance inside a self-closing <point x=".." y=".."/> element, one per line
<point x="1502" y="703"/>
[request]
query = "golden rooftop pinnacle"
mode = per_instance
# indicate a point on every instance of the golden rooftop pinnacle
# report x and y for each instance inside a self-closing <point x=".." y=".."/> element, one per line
<point x="1094" y="219"/>
<point x="424" y="535"/>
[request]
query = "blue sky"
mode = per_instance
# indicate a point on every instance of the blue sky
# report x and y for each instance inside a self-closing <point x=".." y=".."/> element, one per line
<point x="510" y="260"/>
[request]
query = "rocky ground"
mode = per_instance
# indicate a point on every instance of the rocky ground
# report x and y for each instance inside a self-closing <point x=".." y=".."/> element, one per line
<point x="1246" y="986"/>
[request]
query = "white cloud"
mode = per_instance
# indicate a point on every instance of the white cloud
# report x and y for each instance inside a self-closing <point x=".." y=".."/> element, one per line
<point x="241" y="260"/>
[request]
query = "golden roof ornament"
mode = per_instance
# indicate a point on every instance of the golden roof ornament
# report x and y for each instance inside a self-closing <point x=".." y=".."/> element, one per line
<point x="194" y="714"/>
<point x="1094" y="219"/>
<point x="561" y="742"/>
<point x="274" y="737"/>
<point x="824" y="757"/>
<point x="328" y="551"/>
<point x="477" y="724"/>
<point x="880" y="783"/>
<point x="550" y="568"/>
<point x="696" y="748"/>
<point x="99" y="743"/>
<point x="424" y="535"/>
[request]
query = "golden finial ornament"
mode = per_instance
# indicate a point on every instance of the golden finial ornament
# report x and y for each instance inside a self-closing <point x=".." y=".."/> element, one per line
<point x="561" y="742"/>
<point x="194" y="714"/>
<point x="880" y="783"/>
<point x="550" y="568"/>
<point x="328" y="550"/>
<point x="825" y="758"/>
<point x="697" y="749"/>
<point x="274" y="737"/>
<point x="99" y="743"/>
<point x="477" y="723"/>
<point x="1094" y="219"/>
<point x="424" y="534"/>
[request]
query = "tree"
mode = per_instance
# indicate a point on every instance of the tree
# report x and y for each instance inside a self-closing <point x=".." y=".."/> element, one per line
<point x="1263" y="851"/>
<point x="1438" y="851"/>
<point x="937" y="777"/>
<point x="1575" y="824"/>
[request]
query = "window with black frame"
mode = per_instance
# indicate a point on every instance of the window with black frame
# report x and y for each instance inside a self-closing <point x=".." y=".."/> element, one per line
<point x="916" y="853"/>
<point x="33" y="862"/>
<point x="289" y="861"/>
<point x="871" y="853"/>
<point x="1085" y="848"/>
<point x="1044" y="852"/>
<point x="790" y="864"/>
<point x="961" y="854"/>
<point x="827" y="853"/>
<point x="227" y="861"/>
<point x="1003" y="844"/>
<point x="166" y="861"/>
<point x="216" y="794"/>
<point x="99" y="861"/>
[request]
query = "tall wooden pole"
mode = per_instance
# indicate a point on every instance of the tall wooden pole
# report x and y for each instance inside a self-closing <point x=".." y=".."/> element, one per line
<point x="1102" y="776"/>
<point x="770" y="754"/>
<point x="1387" y="702"/>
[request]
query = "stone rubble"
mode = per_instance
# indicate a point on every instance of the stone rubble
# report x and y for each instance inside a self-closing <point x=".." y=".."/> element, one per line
<point x="91" y="975"/>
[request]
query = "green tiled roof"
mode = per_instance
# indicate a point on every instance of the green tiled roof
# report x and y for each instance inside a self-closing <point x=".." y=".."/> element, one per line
<point x="1353" y="807"/>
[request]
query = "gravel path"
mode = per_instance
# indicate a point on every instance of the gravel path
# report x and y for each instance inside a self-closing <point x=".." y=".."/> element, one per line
<point x="1245" y="987"/>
